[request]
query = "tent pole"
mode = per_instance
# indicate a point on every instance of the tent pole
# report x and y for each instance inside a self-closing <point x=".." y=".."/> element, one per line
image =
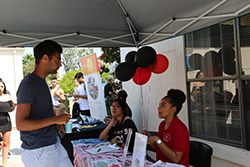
<point x="198" y="18"/>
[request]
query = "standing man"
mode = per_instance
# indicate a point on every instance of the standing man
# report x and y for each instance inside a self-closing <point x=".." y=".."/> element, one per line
<point x="82" y="97"/>
<point x="108" y="89"/>
<point x="56" y="92"/>
<point x="35" y="118"/>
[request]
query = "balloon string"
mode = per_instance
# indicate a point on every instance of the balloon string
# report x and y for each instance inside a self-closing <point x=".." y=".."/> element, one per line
<point x="148" y="106"/>
<point x="140" y="93"/>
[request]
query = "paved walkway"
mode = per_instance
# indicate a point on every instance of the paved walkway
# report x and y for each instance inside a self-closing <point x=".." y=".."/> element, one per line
<point x="15" y="160"/>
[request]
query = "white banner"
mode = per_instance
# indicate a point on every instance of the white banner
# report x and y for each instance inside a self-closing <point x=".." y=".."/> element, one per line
<point x="93" y="83"/>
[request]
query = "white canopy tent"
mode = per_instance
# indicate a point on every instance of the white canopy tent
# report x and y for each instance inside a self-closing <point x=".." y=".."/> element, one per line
<point x="109" y="23"/>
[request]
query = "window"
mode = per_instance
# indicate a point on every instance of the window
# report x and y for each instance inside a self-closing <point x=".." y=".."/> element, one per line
<point x="218" y="75"/>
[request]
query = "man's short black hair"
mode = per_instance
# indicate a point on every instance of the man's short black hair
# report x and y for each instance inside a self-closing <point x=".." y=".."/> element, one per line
<point x="47" y="47"/>
<point x="79" y="75"/>
<point x="53" y="78"/>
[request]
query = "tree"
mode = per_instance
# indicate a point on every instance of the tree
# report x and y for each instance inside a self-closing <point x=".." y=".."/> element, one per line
<point x="66" y="83"/>
<point x="71" y="56"/>
<point x="110" y="55"/>
<point x="28" y="64"/>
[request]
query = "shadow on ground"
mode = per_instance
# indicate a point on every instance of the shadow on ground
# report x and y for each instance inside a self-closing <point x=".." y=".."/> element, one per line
<point x="15" y="151"/>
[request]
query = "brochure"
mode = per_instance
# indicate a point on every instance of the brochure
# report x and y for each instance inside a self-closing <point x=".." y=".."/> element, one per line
<point x="139" y="152"/>
<point x="106" y="163"/>
<point x="125" y="150"/>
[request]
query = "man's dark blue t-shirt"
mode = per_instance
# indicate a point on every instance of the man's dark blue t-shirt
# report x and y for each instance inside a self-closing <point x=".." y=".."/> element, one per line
<point x="34" y="90"/>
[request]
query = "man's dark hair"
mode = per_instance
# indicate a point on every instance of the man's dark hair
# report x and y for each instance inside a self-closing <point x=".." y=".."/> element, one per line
<point x="47" y="47"/>
<point x="79" y="75"/>
<point x="53" y="78"/>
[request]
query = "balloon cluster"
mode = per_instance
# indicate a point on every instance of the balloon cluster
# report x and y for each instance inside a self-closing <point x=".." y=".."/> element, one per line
<point x="102" y="68"/>
<point x="213" y="63"/>
<point x="140" y="65"/>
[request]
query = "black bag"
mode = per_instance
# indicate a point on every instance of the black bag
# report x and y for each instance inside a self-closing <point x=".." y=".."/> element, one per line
<point x="75" y="110"/>
<point x="4" y="120"/>
<point x="66" y="142"/>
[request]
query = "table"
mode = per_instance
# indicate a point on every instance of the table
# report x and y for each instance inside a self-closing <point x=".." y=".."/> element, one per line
<point x="83" y="159"/>
<point x="87" y="132"/>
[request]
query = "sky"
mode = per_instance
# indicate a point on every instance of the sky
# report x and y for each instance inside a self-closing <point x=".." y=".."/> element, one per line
<point x="29" y="50"/>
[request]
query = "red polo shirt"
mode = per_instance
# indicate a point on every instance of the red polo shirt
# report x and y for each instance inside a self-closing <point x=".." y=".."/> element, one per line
<point x="176" y="137"/>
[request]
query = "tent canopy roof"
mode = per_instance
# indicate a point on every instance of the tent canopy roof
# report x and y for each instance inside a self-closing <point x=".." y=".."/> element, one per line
<point x="109" y="23"/>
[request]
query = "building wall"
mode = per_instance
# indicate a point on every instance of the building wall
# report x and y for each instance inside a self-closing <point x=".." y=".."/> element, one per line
<point x="11" y="71"/>
<point x="144" y="100"/>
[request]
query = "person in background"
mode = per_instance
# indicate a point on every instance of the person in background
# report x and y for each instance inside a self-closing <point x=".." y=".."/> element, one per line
<point x="200" y="97"/>
<point x="108" y="89"/>
<point x="56" y="92"/>
<point x="120" y="125"/>
<point x="14" y="104"/>
<point x="122" y="94"/>
<point x="172" y="141"/>
<point x="6" y="105"/>
<point x="82" y="97"/>
<point x="76" y="107"/>
<point x="7" y="91"/>
<point x="35" y="117"/>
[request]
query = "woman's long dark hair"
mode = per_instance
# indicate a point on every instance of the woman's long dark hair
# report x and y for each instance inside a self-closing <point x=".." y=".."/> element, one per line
<point x="198" y="74"/>
<point x="4" y="90"/>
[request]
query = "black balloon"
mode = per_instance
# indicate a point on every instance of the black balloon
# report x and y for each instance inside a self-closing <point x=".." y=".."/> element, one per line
<point x="102" y="66"/>
<point x="130" y="57"/>
<point x="106" y="70"/>
<point x="227" y="55"/>
<point x="101" y="71"/>
<point x="145" y="56"/>
<point x="195" y="61"/>
<point x="125" y="71"/>
<point x="211" y="63"/>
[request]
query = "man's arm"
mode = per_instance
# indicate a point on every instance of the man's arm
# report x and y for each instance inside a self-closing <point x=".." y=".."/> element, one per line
<point x="23" y="123"/>
<point x="82" y="96"/>
<point x="61" y="95"/>
<point x="111" y="93"/>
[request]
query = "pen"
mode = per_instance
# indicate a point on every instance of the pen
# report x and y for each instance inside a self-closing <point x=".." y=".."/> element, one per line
<point x="99" y="150"/>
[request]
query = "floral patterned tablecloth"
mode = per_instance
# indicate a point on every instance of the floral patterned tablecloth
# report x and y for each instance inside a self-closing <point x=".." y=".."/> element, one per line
<point x="83" y="159"/>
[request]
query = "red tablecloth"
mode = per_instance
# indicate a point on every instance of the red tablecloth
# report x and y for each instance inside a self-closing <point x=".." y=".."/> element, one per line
<point x="83" y="159"/>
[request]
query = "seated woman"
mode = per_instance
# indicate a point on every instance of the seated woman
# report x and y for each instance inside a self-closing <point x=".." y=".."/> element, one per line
<point x="172" y="141"/>
<point x="120" y="125"/>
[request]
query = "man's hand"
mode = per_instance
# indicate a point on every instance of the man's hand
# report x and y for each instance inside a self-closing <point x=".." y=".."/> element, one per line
<point x="60" y="128"/>
<point x="75" y="96"/>
<point x="63" y="119"/>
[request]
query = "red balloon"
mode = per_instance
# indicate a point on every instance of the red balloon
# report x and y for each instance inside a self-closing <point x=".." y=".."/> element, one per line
<point x="142" y="75"/>
<point x="160" y="65"/>
<point x="99" y="65"/>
